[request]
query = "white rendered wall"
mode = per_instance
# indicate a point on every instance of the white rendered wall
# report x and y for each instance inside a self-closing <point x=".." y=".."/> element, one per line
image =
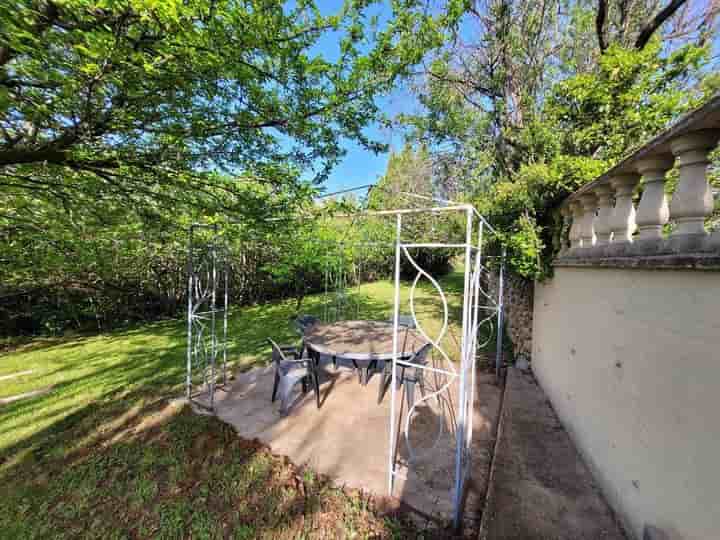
<point x="630" y="360"/>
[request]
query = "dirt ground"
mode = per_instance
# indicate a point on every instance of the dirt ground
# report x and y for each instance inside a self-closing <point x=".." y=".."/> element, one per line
<point x="541" y="488"/>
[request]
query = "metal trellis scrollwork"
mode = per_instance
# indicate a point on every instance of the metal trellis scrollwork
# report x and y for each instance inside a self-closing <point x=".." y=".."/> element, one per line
<point x="454" y="378"/>
<point x="450" y="369"/>
<point x="206" y="316"/>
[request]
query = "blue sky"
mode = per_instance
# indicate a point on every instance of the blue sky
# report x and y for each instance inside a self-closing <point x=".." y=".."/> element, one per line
<point x="360" y="166"/>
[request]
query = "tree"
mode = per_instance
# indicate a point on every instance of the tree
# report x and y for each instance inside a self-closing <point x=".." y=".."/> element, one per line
<point x="633" y="24"/>
<point x="526" y="109"/>
<point x="122" y="122"/>
<point x="331" y="247"/>
<point x="588" y="123"/>
<point x="135" y="99"/>
<point x="489" y="82"/>
<point x="409" y="182"/>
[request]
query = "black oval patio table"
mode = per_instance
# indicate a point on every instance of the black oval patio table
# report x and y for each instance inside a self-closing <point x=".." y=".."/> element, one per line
<point x="364" y="343"/>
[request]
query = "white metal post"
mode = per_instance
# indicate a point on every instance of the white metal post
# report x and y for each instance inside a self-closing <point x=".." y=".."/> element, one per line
<point x="225" y="272"/>
<point x="213" y="305"/>
<point x="460" y="435"/>
<point x="498" y="346"/>
<point x="188" y="378"/>
<point x="475" y="329"/>
<point x="396" y="315"/>
<point x="326" y="300"/>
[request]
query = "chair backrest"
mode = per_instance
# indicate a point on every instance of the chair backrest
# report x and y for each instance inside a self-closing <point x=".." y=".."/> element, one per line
<point x="277" y="355"/>
<point x="420" y="356"/>
<point x="303" y="322"/>
<point x="405" y="320"/>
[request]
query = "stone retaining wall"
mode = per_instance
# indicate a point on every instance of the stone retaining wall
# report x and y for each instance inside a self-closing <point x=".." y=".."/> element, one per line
<point x="518" y="300"/>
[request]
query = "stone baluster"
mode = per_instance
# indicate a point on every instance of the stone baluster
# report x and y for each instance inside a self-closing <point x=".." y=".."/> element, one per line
<point x="653" y="213"/>
<point x="589" y="206"/>
<point x="601" y="223"/>
<point x="565" y="229"/>
<point x="576" y="210"/>
<point x="692" y="201"/>
<point x="622" y="218"/>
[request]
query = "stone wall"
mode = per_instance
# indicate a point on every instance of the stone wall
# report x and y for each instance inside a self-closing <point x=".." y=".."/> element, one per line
<point x="518" y="307"/>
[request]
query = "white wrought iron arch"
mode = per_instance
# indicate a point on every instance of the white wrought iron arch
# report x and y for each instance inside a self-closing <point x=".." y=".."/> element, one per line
<point x="207" y="348"/>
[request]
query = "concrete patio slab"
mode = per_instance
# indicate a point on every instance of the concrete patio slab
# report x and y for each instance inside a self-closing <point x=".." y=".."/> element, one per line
<point x="348" y="437"/>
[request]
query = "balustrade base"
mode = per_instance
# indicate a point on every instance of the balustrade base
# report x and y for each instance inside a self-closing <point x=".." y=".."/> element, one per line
<point x="676" y="244"/>
<point x="692" y="261"/>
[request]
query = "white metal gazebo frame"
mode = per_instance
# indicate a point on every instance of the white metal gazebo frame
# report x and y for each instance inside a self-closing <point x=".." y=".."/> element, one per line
<point x="478" y="307"/>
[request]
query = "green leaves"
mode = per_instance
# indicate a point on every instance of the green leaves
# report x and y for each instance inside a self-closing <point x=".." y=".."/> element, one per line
<point x="122" y="121"/>
<point x="588" y="123"/>
<point x="522" y="107"/>
<point x="630" y="96"/>
<point x="133" y="93"/>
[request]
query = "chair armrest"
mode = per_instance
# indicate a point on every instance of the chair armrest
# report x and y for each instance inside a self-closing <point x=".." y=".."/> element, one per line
<point x="306" y="363"/>
<point x="290" y="349"/>
<point x="300" y="361"/>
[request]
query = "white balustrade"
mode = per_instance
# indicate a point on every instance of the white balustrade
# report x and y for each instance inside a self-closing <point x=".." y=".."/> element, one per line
<point x="653" y="213"/>
<point x="603" y="214"/>
<point x="589" y="206"/>
<point x="692" y="201"/>
<point x="622" y="218"/>
<point x="565" y="229"/>
<point x="601" y="224"/>
<point x="576" y="210"/>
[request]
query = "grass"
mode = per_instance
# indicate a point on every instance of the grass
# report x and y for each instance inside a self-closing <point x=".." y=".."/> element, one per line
<point x="105" y="453"/>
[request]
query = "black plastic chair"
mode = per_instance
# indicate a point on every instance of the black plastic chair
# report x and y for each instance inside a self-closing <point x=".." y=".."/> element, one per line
<point x="289" y="372"/>
<point x="303" y="322"/>
<point x="404" y="320"/>
<point x="406" y="375"/>
<point x="378" y="366"/>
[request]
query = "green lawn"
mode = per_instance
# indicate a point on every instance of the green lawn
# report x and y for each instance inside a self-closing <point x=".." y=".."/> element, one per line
<point x="103" y="454"/>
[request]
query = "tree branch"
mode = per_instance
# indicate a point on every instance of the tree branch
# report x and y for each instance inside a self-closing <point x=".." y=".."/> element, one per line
<point x="600" y="24"/>
<point x="650" y="28"/>
<point x="20" y="156"/>
<point x="52" y="155"/>
<point x="19" y="83"/>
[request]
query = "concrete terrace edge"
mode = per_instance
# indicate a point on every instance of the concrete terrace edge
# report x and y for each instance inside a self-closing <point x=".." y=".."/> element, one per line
<point x="490" y="494"/>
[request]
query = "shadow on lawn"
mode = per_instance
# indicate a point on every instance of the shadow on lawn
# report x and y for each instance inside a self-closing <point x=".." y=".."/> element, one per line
<point x="165" y="472"/>
<point x="128" y="468"/>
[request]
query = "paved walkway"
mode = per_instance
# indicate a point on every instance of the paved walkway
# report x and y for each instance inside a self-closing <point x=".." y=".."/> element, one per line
<point x="347" y="438"/>
<point x="540" y="488"/>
